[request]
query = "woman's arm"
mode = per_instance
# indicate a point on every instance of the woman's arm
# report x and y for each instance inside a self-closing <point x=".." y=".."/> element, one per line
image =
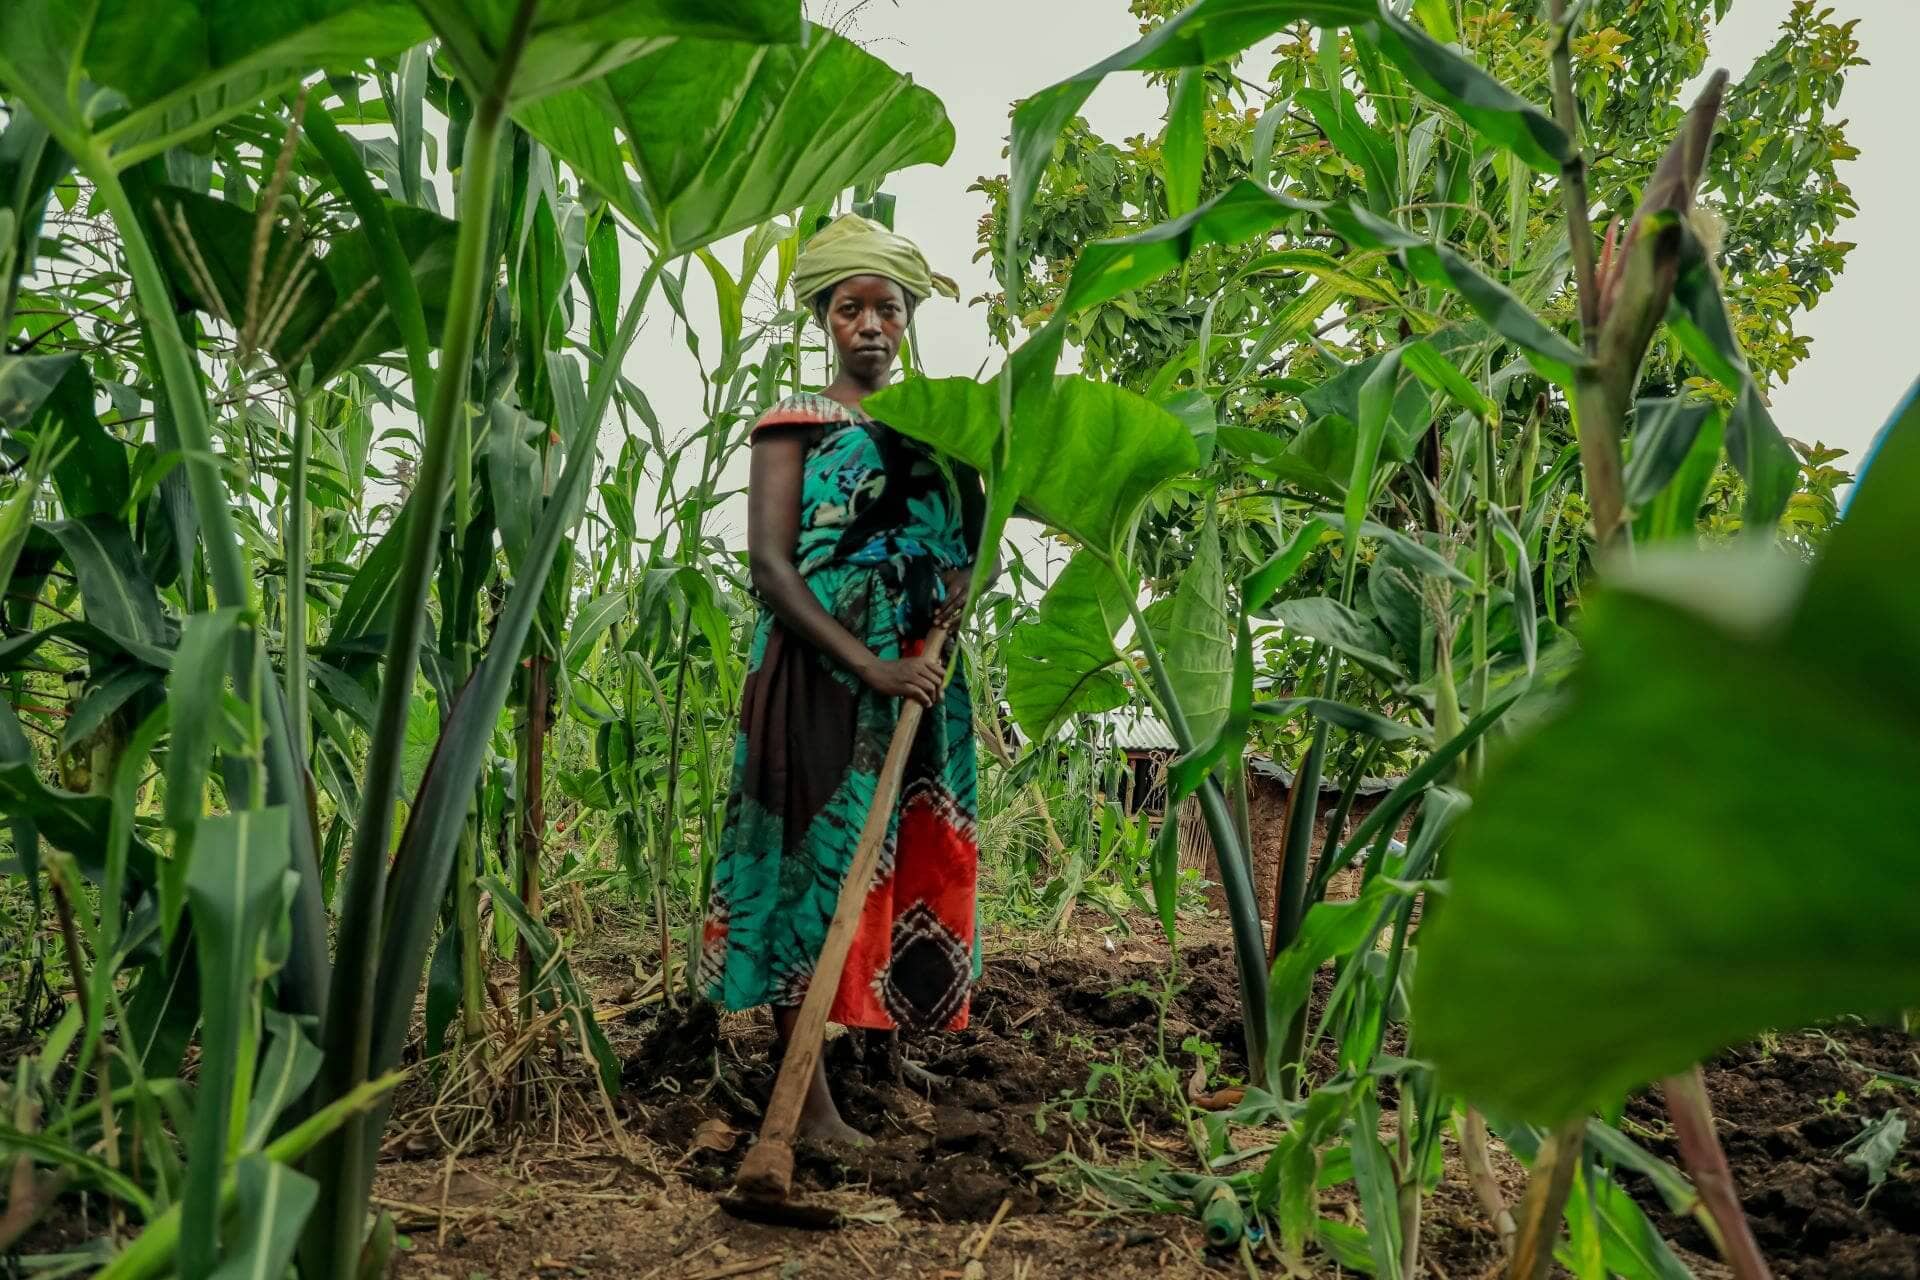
<point x="773" y="531"/>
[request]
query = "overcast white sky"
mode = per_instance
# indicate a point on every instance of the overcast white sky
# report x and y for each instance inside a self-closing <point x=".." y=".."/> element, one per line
<point x="981" y="55"/>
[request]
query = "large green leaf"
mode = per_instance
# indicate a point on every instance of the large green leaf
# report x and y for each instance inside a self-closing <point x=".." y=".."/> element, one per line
<point x="1184" y="150"/>
<point x="1084" y="461"/>
<point x="26" y="382"/>
<point x="196" y="688"/>
<point x="570" y="42"/>
<point x="1699" y="321"/>
<point x="1714" y="838"/>
<point x="80" y="824"/>
<point x="724" y="134"/>
<point x="92" y="474"/>
<point x="119" y="596"/>
<point x="1061" y="663"/>
<point x="1325" y="619"/>
<point x="114" y="690"/>
<point x="291" y="1062"/>
<point x="1356" y="139"/>
<point x="181" y="66"/>
<point x="514" y="474"/>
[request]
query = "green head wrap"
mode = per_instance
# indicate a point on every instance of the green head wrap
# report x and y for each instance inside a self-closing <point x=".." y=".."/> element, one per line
<point x="855" y="246"/>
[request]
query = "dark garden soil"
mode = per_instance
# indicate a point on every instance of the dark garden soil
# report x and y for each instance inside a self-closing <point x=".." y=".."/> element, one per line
<point x="1017" y="1116"/>
<point x="1787" y="1111"/>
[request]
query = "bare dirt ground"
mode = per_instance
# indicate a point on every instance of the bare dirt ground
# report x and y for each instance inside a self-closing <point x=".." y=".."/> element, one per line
<point x="1005" y="1137"/>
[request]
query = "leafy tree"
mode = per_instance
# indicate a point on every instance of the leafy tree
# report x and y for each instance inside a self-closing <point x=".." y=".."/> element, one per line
<point x="1320" y="125"/>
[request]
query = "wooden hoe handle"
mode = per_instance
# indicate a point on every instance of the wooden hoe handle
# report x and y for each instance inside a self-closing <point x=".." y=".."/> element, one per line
<point x="767" y="1171"/>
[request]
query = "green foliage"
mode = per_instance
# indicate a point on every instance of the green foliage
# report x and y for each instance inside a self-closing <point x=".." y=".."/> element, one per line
<point x="1062" y="662"/>
<point x="1635" y="939"/>
<point x="711" y="165"/>
<point x="274" y="621"/>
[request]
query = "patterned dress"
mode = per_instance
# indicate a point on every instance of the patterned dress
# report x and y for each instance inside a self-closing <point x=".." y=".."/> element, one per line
<point x="881" y="521"/>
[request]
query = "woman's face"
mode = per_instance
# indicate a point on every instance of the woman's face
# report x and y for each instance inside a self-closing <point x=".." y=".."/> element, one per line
<point x="867" y="317"/>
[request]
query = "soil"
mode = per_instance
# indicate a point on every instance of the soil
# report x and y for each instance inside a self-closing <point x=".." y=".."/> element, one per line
<point x="1004" y="1136"/>
<point x="1059" y="1072"/>
<point x="1786" y="1111"/>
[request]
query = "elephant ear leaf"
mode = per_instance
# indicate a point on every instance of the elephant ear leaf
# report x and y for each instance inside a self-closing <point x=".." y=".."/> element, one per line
<point x="1062" y="662"/>
<point x="181" y="67"/>
<point x="578" y="41"/>
<point x="803" y="121"/>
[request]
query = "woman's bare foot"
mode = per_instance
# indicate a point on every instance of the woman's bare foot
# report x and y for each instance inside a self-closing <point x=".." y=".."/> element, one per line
<point x="831" y="1129"/>
<point x="820" y="1119"/>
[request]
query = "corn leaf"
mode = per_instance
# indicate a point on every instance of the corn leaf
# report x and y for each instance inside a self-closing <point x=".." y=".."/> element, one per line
<point x="551" y="961"/>
<point x="235" y="886"/>
<point x="1199" y="647"/>
<point x="1699" y="322"/>
<point x="1262" y="584"/>
<point x="1205" y="32"/>
<point x="119" y="595"/>
<point x="274" y="1202"/>
<point x="1183" y="153"/>
<point x="1496" y="112"/>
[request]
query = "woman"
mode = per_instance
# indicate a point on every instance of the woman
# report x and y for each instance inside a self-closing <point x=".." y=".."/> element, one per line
<point x="858" y="542"/>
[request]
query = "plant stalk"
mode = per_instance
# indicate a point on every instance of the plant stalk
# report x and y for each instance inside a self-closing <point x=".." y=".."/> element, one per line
<point x="293" y="532"/>
<point x="1545" y="1201"/>
<point x="533" y="825"/>
<point x="672" y="824"/>
<point x="1706" y="1161"/>
<point x="1243" y="908"/>
<point x="334" y="1233"/>
<point x="1573" y="180"/>
<point x="1478" y="1158"/>
<point x="466" y="913"/>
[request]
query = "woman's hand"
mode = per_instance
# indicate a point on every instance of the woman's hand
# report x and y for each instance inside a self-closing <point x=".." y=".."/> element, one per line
<point x="953" y="609"/>
<point x="920" y="677"/>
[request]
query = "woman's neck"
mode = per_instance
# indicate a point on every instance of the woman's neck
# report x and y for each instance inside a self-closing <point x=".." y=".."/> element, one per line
<point x="852" y="392"/>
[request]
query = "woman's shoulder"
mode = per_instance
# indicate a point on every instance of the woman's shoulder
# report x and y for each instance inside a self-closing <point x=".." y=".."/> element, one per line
<point x="805" y="409"/>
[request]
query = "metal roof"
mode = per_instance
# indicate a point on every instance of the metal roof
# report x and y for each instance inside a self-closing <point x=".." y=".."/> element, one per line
<point x="1135" y="729"/>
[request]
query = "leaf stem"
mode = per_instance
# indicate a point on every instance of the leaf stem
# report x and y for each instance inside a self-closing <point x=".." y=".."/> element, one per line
<point x="1692" y="1115"/>
<point x="294" y="540"/>
<point x="1249" y="947"/>
<point x="226" y="560"/>
<point x="334" y="1233"/>
<point x="1573" y="179"/>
